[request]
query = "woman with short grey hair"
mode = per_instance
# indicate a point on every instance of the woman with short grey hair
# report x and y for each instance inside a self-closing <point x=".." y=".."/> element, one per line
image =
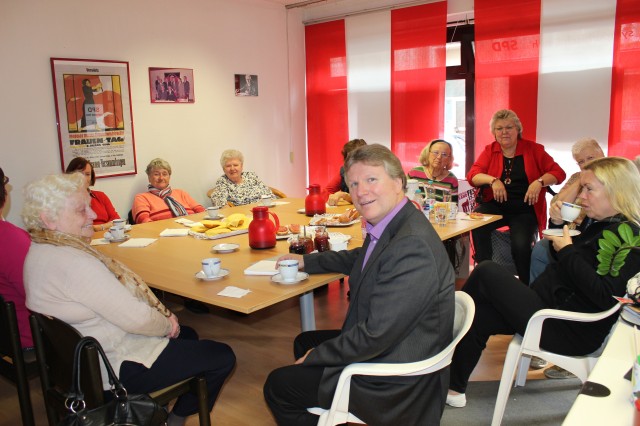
<point x="67" y="278"/>
<point x="236" y="187"/>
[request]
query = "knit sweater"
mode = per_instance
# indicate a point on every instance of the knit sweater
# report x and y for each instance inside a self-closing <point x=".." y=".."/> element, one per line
<point x="78" y="289"/>
<point x="148" y="207"/>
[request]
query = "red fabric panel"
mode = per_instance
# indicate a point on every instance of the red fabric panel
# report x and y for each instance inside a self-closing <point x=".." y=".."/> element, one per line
<point x="624" y="124"/>
<point x="507" y="57"/>
<point x="327" y="114"/>
<point x="418" y="75"/>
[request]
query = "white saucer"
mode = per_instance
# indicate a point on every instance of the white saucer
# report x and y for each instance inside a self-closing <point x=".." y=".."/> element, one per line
<point x="219" y="216"/>
<point x="303" y="211"/>
<point x="300" y="276"/>
<point x="223" y="273"/>
<point x="119" y="240"/>
<point x="225" y="248"/>
<point x="127" y="228"/>
<point x="557" y="232"/>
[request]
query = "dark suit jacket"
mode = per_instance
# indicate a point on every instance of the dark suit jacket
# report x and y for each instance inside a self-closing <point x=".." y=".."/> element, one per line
<point x="401" y="310"/>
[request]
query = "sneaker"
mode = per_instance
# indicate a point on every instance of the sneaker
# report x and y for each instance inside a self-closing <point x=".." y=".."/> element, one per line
<point x="556" y="372"/>
<point x="457" y="401"/>
<point x="537" y="363"/>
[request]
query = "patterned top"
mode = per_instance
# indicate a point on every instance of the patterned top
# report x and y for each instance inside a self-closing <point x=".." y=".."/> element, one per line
<point x="450" y="183"/>
<point x="247" y="192"/>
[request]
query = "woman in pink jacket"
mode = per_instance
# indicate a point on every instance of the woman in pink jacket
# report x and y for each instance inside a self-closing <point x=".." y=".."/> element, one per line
<point x="513" y="174"/>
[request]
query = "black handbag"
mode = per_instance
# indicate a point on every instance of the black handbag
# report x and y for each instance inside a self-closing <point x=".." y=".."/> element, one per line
<point x="123" y="409"/>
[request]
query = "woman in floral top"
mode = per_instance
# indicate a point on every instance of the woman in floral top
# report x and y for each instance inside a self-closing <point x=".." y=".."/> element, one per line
<point x="235" y="186"/>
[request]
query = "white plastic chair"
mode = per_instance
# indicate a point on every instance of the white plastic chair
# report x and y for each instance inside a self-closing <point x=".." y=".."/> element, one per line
<point x="522" y="348"/>
<point x="339" y="411"/>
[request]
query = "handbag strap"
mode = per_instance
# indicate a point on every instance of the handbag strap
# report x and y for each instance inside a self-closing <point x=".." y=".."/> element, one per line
<point x="75" y="393"/>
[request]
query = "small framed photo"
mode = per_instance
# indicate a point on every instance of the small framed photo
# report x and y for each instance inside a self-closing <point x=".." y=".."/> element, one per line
<point x="171" y="85"/>
<point x="246" y="84"/>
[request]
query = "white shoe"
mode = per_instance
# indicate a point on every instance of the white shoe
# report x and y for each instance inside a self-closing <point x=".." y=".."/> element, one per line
<point x="457" y="401"/>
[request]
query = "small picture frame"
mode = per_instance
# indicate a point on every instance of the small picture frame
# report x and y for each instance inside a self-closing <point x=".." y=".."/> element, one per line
<point x="171" y="85"/>
<point x="246" y="84"/>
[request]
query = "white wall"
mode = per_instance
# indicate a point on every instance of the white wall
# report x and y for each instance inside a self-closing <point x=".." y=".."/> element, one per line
<point x="217" y="38"/>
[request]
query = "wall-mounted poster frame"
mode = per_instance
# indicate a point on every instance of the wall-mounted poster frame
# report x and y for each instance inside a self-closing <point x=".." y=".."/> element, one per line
<point x="171" y="85"/>
<point x="93" y="114"/>
<point x="246" y="84"/>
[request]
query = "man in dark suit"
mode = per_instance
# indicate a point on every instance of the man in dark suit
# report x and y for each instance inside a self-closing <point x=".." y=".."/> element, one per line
<point x="401" y="310"/>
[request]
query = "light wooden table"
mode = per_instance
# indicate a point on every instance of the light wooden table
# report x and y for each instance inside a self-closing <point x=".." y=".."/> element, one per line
<point x="170" y="264"/>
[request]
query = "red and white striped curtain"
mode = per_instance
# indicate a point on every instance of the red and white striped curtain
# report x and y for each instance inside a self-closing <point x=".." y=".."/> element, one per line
<point x="380" y="77"/>
<point x="507" y="59"/>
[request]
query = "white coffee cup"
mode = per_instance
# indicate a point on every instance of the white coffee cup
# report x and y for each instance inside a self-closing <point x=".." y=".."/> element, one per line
<point x="114" y="233"/>
<point x="266" y="200"/>
<point x="211" y="266"/>
<point x="119" y="223"/>
<point x="288" y="269"/>
<point x="569" y="212"/>
<point x="213" y="211"/>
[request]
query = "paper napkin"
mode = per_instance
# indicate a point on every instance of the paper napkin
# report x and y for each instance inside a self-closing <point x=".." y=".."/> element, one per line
<point x="263" y="267"/>
<point x="187" y="222"/>
<point x="138" y="242"/>
<point x="280" y="203"/>
<point x="99" y="242"/>
<point x="172" y="232"/>
<point x="231" y="291"/>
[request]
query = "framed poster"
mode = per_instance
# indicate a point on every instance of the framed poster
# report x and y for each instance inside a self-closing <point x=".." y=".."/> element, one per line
<point x="246" y="84"/>
<point x="171" y="85"/>
<point x="93" y="114"/>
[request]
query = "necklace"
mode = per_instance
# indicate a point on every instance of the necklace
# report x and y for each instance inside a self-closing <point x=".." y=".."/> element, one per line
<point x="435" y="177"/>
<point x="508" y="165"/>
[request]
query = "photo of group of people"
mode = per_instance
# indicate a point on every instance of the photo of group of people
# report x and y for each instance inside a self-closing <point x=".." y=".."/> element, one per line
<point x="171" y="85"/>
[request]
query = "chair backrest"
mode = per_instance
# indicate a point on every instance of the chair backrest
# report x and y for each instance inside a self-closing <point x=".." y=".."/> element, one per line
<point x="12" y="362"/>
<point x="277" y="192"/>
<point x="55" y="343"/>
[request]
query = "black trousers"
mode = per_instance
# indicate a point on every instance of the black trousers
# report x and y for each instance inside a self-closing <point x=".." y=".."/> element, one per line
<point x="523" y="228"/>
<point x="290" y="390"/>
<point x="183" y="357"/>
<point x="503" y="306"/>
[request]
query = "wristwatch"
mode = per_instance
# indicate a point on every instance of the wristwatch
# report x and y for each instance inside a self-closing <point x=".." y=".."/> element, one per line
<point x="541" y="181"/>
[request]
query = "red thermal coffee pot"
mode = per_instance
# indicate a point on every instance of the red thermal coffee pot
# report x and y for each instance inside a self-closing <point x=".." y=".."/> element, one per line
<point x="262" y="231"/>
<point x="314" y="203"/>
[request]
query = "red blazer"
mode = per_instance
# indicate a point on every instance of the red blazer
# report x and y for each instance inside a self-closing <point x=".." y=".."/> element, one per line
<point x="536" y="163"/>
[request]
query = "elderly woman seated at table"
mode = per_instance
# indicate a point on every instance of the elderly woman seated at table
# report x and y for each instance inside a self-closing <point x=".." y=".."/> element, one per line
<point x="67" y="278"/>
<point x="436" y="159"/>
<point x="100" y="203"/>
<point x="161" y="201"/>
<point x="611" y="198"/>
<point x="236" y="186"/>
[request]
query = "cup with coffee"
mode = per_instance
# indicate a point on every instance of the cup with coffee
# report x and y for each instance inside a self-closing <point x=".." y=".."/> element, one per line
<point x="288" y="269"/>
<point x="213" y="212"/>
<point x="211" y="266"/>
<point x="569" y="212"/>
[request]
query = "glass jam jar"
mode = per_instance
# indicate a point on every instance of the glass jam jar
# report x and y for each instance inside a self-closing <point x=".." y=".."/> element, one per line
<point x="321" y="239"/>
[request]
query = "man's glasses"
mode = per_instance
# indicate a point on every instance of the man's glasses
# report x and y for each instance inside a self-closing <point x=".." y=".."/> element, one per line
<point x="440" y="154"/>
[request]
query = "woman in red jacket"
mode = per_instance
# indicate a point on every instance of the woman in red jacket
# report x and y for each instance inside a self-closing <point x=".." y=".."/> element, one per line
<point x="514" y="174"/>
<point x="100" y="203"/>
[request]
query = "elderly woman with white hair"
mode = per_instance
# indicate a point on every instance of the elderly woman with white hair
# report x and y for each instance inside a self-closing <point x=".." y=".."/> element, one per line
<point x="236" y="186"/>
<point x="65" y="277"/>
